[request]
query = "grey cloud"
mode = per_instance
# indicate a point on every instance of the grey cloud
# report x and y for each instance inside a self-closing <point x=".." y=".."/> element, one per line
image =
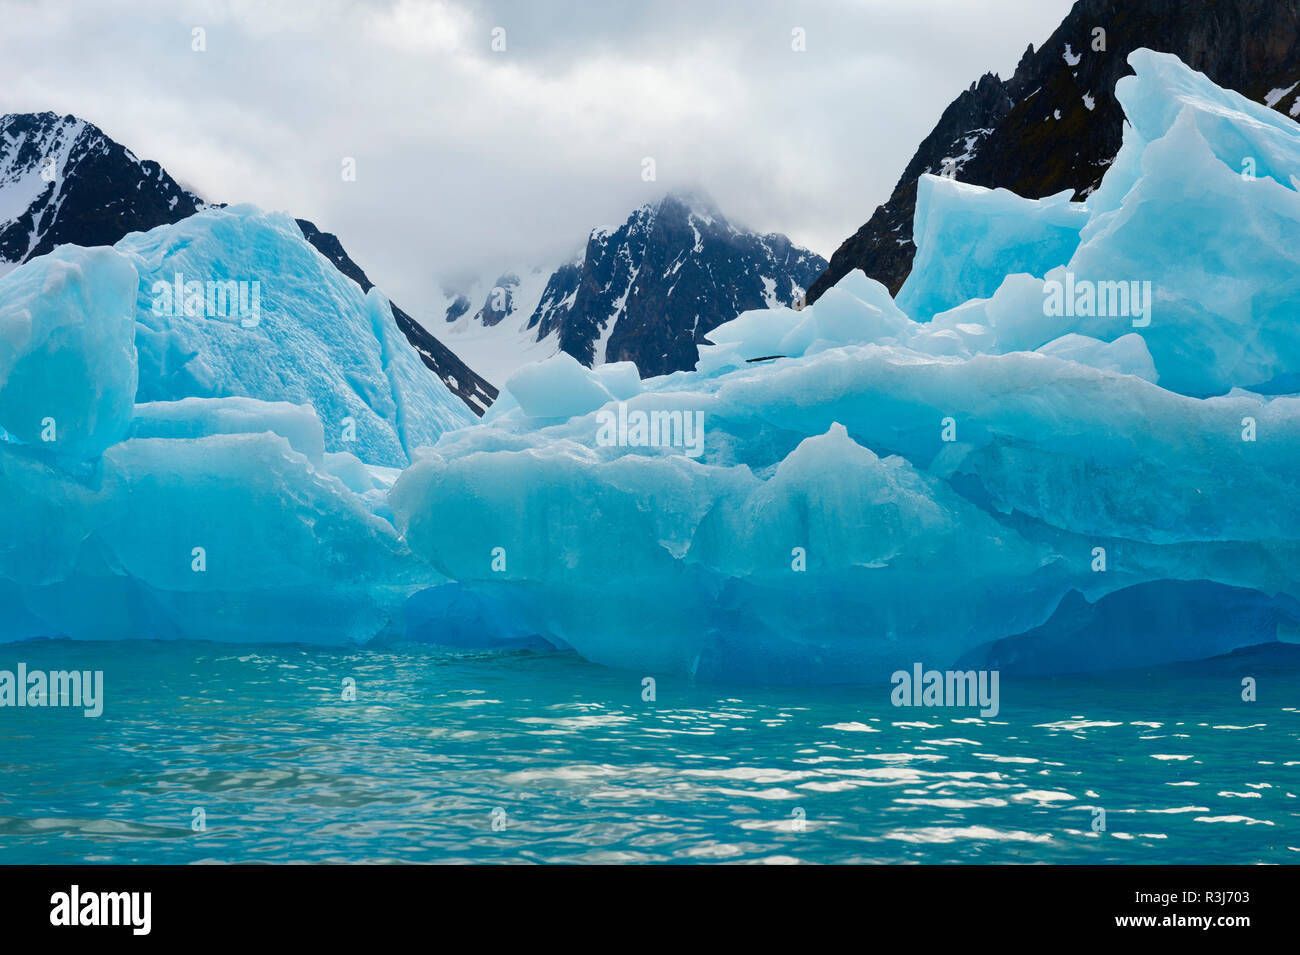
<point x="470" y="161"/>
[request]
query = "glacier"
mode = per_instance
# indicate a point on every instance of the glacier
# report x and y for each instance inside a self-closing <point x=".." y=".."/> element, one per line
<point x="1072" y="443"/>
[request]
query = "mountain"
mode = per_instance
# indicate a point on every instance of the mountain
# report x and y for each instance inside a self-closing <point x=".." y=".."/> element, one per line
<point x="647" y="291"/>
<point x="489" y="322"/>
<point x="1055" y="124"/>
<point x="63" y="181"/>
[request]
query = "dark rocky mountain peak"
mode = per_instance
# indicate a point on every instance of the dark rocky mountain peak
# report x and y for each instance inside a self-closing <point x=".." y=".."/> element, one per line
<point x="62" y="180"/>
<point x="650" y="289"/>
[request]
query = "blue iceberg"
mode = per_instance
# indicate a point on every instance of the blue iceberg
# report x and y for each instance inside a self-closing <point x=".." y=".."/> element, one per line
<point x="1073" y="443"/>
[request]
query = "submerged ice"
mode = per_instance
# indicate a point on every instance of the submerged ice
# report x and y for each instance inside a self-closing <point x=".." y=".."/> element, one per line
<point x="1072" y="443"/>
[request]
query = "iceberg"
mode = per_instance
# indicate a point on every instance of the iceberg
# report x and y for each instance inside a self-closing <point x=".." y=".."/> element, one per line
<point x="559" y="387"/>
<point x="1003" y="468"/>
<point x="234" y="302"/>
<point x="230" y="535"/>
<point x="969" y="238"/>
<point x="1126" y="355"/>
<point x="1220" y="248"/>
<point x="183" y="455"/>
<point x="68" y="372"/>
<point x="984" y="465"/>
<point x="1192" y="241"/>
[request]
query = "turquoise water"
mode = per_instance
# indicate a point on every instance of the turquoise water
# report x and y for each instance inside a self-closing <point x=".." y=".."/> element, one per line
<point x="283" y="769"/>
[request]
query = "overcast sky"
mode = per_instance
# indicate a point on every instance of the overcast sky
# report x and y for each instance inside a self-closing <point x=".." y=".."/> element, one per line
<point x="470" y="160"/>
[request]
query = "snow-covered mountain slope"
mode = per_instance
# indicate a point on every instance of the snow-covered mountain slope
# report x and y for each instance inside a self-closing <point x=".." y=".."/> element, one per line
<point x="1056" y="124"/>
<point x="489" y="323"/>
<point x="63" y="181"/>
<point x="646" y="291"/>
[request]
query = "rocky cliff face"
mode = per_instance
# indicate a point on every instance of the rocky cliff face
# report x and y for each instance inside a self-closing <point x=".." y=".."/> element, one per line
<point x="1056" y="124"/>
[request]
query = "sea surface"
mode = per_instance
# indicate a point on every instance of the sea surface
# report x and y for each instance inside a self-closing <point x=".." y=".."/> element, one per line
<point x="230" y="754"/>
